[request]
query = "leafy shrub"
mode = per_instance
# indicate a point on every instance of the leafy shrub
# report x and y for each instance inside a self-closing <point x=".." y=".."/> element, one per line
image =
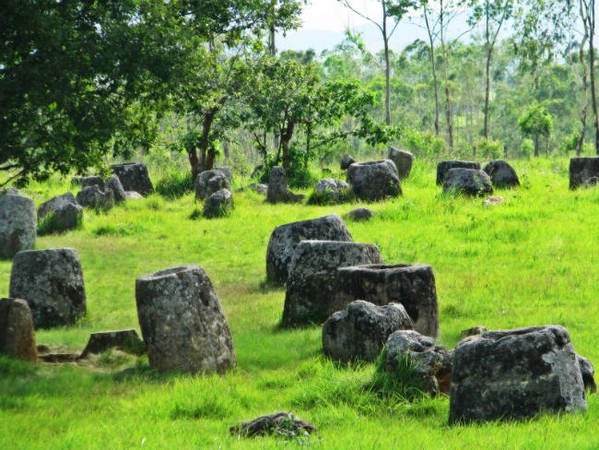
<point x="489" y="149"/>
<point x="527" y="148"/>
<point x="331" y="197"/>
<point x="423" y="143"/>
<point x="175" y="185"/>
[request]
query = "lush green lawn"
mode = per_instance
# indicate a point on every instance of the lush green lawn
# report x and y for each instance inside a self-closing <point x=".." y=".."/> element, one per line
<point x="529" y="261"/>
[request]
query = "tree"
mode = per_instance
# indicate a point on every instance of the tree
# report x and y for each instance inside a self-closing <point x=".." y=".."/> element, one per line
<point x="536" y="123"/>
<point x="392" y="13"/>
<point x="588" y="16"/>
<point x="494" y="15"/>
<point x="288" y="99"/>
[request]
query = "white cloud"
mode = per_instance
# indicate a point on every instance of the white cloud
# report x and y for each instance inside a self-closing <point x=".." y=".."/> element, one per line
<point x="331" y="15"/>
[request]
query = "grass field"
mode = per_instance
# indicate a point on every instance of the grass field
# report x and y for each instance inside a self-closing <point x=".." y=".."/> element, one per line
<point x="532" y="260"/>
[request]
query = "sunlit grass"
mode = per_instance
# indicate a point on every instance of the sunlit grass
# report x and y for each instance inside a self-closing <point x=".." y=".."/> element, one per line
<point x="529" y="261"/>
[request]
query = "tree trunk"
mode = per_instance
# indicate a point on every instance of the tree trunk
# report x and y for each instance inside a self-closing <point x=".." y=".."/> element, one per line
<point x="585" y="93"/>
<point x="206" y="161"/>
<point x="285" y="140"/>
<point x="448" y="115"/>
<point x="591" y="26"/>
<point x="537" y="145"/>
<point x="433" y="69"/>
<point x="387" y="66"/>
<point x="194" y="163"/>
<point x="489" y="51"/>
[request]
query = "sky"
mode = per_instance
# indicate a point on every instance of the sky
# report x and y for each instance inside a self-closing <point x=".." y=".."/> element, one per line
<point x="324" y="23"/>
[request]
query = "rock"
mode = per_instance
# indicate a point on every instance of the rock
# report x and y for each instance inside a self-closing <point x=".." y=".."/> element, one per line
<point x="257" y="170"/>
<point x="132" y="195"/>
<point x="360" y="214"/>
<point x="329" y="191"/>
<point x="515" y="374"/>
<point x="374" y="180"/>
<point x="445" y="166"/>
<point x="467" y="182"/>
<point x="17" y="224"/>
<point x="134" y="177"/>
<point x="587" y="371"/>
<point x="474" y="331"/>
<point x="113" y="183"/>
<point x="182" y="322"/>
<point x="93" y="197"/>
<point x="278" y="191"/>
<point x="218" y="204"/>
<point x="502" y="174"/>
<point x="493" y="200"/>
<point x="584" y="172"/>
<point x="64" y="211"/>
<point x="360" y="331"/>
<point x="403" y="161"/>
<point x="226" y="172"/>
<point x="346" y="161"/>
<point x="285" y="238"/>
<point x="89" y="181"/>
<point x="51" y="281"/>
<point x="17" y="336"/>
<point x="125" y="340"/>
<point x="311" y="283"/>
<point x="412" y="285"/>
<point x="209" y="182"/>
<point x="10" y="190"/>
<point x="278" y="424"/>
<point x="259" y="188"/>
<point x="431" y="364"/>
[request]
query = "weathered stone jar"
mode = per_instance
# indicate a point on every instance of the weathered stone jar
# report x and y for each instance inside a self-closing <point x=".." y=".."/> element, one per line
<point x="17" y="224"/>
<point x="182" y="322"/>
<point x="412" y="285"/>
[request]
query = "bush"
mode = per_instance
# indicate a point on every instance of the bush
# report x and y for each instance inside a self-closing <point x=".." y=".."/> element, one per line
<point x="175" y="185"/>
<point x="423" y="143"/>
<point x="527" y="148"/>
<point x="489" y="149"/>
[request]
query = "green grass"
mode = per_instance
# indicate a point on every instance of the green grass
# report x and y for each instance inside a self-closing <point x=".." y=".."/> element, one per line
<point x="529" y="261"/>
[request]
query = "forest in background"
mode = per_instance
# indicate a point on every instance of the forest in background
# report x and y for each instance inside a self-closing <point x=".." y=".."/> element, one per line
<point x="184" y="83"/>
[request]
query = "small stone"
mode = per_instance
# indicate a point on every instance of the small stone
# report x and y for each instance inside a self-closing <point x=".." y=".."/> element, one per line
<point x="431" y="364"/>
<point x="278" y="424"/>
<point x="329" y="191"/>
<point x="360" y="214"/>
<point x="51" y="281"/>
<point x="132" y="195"/>
<point x="17" y="224"/>
<point x="467" y="182"/>
<point x="64" y="211"/>
<point x="285" y="238"/>
<point x="403" y="161"/>
<point x="278" y="190"/>
<point x="17" y="336"/>
<point x="219" y="204"/>
<point x="113" y="183"/>
<point x="515" y="374"/>
<point x="374" y="180"/>
<point x="493" y="200"/>
<point x="360" y="331"/>
<point x="93" y="197"/>
<point x="134" y="177"/>
<point x="259" y="188"/>
<point x="125" y="340"/>
<point x="445" y="166"/>
<point x="588" y="373"/>
<point x="182" y="322"/>
<point x="347" y="161"/>
<point x="89" y="181"/>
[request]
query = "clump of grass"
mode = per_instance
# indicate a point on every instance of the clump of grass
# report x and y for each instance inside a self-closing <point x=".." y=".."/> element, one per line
<point x="50" y="224"/>
<point x="330" y="197"/>
<point x="175" y="185"/>
<point x="119" y="229"/>
<point x="401" y="381"/>
<point x="195" y="214"/>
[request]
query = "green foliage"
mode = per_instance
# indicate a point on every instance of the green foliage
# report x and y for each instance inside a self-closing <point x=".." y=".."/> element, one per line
<point x="527" y="148"/>
<point x="175" y="185"/>
<point x="330" y="197"/>
<point x="423" y="144"/>
<point x="489" y="149"/>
